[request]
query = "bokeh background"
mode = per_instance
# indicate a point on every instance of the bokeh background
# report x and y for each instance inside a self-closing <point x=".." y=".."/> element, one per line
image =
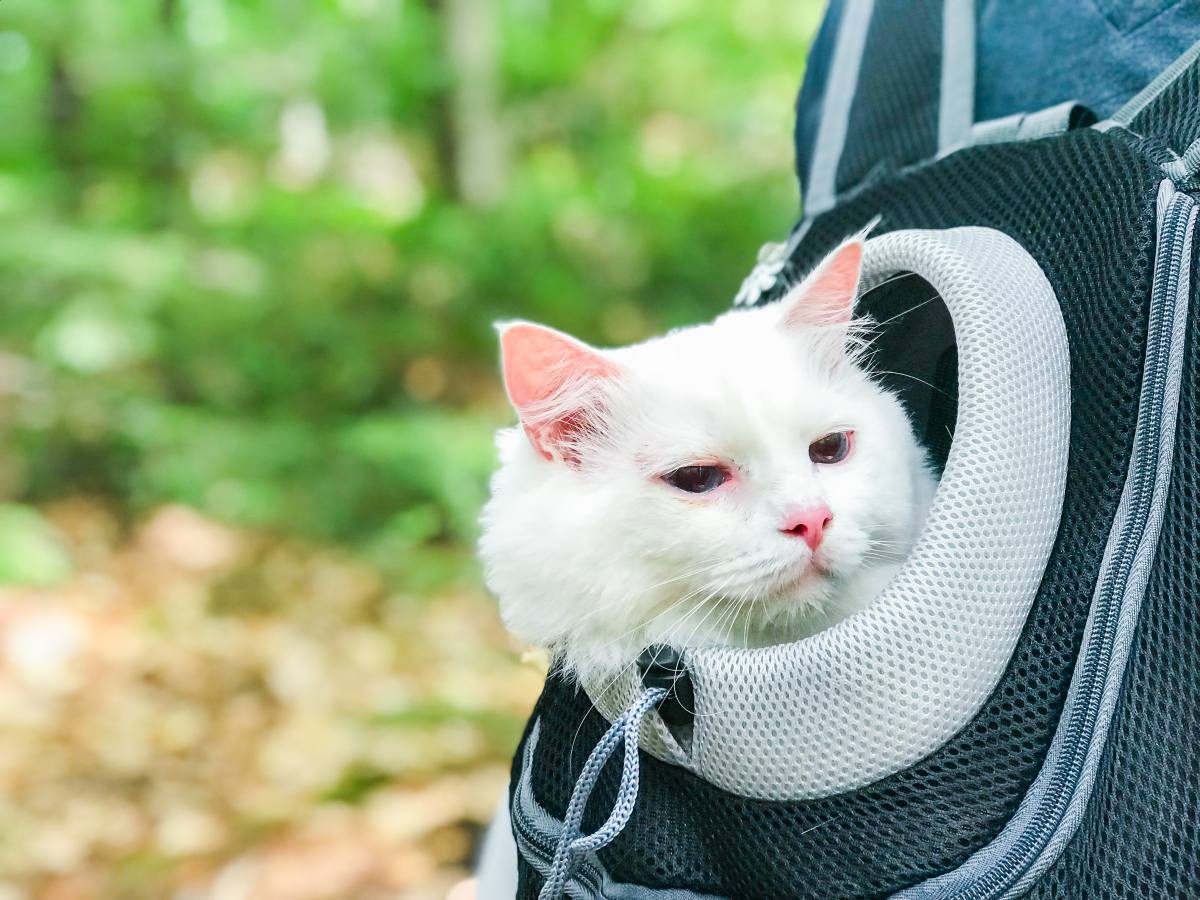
<point x="250" y="254"/>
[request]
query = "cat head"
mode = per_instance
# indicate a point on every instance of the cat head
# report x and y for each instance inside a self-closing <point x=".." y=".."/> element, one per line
<point x="723" y="484"/>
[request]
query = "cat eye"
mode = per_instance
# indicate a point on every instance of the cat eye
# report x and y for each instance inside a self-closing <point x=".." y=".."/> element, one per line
<point x="832" y="448"/>
<point x="697" y="479"/>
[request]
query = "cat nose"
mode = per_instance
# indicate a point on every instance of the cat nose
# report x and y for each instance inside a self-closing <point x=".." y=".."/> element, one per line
<point x="808" y="524"/>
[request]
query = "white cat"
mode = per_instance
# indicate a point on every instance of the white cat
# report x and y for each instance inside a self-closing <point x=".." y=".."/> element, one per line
<point x="739" y="483"/>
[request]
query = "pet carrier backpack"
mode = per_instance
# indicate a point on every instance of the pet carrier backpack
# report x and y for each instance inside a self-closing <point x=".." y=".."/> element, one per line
<point x="1018" y="713"/>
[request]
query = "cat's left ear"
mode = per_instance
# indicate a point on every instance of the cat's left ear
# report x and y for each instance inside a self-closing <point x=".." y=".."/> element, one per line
<point x="557" y="386"/>
<point x="826" y="296"/>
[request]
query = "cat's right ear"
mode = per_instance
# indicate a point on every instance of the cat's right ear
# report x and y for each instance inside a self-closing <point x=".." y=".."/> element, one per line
<point x="556" y="385"/>
<point x="827" y="295"/>
<point x="821" y="307"/>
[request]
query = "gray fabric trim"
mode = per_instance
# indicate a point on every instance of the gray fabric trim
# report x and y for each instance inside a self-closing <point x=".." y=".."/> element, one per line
<point x="591" y="881"/>
<point x="1185" y="166"/>
<point x="1046" y="122"/>
<point x="1127" y="113"/>
<point x="835" y="105"/>
<point x="956" y="111"/>
<point x="954" y="883"/>
<point x="1019" y="127"/>
<point x="993" y="131"/>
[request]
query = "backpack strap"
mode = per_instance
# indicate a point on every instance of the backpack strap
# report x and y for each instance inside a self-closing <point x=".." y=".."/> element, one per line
<point x="1168" y="109"/>
<point x="889" y="84"/>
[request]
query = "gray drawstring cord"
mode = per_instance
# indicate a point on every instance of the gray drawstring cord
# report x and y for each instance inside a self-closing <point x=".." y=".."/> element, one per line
<point x="571" y="842"/>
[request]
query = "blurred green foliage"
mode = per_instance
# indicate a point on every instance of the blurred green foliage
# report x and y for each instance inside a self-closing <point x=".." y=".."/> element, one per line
<point x="251" y="252"/>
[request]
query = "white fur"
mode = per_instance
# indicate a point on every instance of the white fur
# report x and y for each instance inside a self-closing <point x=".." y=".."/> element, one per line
<point x="598" y="560"/>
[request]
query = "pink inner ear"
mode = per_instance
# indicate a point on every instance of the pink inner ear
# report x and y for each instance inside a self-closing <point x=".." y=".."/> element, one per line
<point x="826" y="297"/>
<point x="537" y="363"/>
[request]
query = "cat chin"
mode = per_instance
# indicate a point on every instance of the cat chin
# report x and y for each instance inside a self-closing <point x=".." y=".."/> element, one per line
<point x="777" y="619"/>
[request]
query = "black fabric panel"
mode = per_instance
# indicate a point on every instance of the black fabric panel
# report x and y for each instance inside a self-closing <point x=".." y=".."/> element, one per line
<point x="1141" y="835"/>
<point x="913" y="355"/>
<point x="1174" y="115"/>
<point x="894" y="117"/>
<point x="1083" y="205"/>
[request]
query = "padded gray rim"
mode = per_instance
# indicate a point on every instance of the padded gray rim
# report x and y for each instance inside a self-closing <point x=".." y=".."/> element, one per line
<point x="891" y="684"/>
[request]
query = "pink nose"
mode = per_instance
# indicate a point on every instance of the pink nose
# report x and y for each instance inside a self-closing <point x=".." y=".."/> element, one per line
<point x="809" y="524"/>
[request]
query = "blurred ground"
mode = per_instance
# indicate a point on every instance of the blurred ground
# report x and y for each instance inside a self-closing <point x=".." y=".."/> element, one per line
<point x="202" y="712"/>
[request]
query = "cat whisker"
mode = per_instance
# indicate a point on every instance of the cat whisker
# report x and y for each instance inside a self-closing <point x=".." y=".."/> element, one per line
<point x="879" y="558"/>
<point x="625" y="668"/>
<point x="746" y="622"/>
<point x="627" y="598"/>
<point x="712" y="596"/>
<point x="913" y="377"/>
<point x="820" y="825"/>
<point x="662" y="613"/>
<point x="877" y="543"/>
<point x="727" y="623"/>
<point x="901" y="315"/>
<point x="575" y="736"/>
<point x="734" y="609"/>
<point x="899" y="276"/>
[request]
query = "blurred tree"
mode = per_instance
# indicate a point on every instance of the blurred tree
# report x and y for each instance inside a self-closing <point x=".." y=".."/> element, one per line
<point x="252" y="252"/>
<point x="478" y="158"/>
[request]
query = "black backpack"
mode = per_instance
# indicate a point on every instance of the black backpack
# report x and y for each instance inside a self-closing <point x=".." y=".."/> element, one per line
<point x="1055" y="752"/>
